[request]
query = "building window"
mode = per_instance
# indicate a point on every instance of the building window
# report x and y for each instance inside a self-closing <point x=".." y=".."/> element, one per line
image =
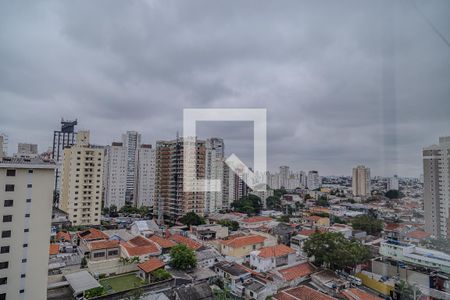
<point x="29" y="185"/>
<point x="4" y="265"/>
<point x="22" y="275"/>
<point x="8" y="203"/>
<point x="25" y="245"/>
<point x="6" y="233"/>
<point x="3" y="280"/>
<point x="26" y="230"/>
<point x="22" y="291"/>
<point x="27" y="215"/>
<point x="10" y="172"/>
<point x="3" y="296"/>
<point x="30" y="171"/>
<point x="99" y="254"/>
<point x="113" y="252"/>
<point x="28" y="200"/>
<point x="24" y="260"/>
<point x="9" y="188"/>
<point x="7" y="218"/>
<point x="4" y="249"/>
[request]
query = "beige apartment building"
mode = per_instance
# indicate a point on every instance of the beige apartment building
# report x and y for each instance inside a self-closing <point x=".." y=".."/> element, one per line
<point x="361" y="181"/>
<point x="26" y="196"/>
<point x="436" y="188"/>
<point x="82" y="181"/>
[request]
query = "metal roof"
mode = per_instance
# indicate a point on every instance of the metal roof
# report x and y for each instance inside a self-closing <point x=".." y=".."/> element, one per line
<point x="81" y="281"/>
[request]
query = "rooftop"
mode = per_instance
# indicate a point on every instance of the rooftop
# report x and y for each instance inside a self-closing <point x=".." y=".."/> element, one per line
<point x="151" y="265"/>
<point x="190" y="243"/>
<point x="275" y="251"/>
<point x="92" y="234"/>
<point x="418" y="234"/>
<point x="302" y="292"/>
<point x="139" y="246"/>
<point x="162" y="242"/>
<point x="242" y="241"/>
<point x="357" y="294"/>
<point x="26" y="163"/>
<point x="53" y="249"/>
<point x="257" y="219"/>
<point x="98" y="245"/>
<point x="231" y="268"/>
<point x="296" y="271"/>
<point x="81" y="281"/>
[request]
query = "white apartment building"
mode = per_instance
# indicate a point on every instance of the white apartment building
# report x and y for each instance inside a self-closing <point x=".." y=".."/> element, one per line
<point x="131" y="141"/>
<point x="82" y="182"/>
<point x="145" y="183"/>
<point x="284" y="176"/>
<point x="115" y="175"/>
<point x="273" y="180"/>
<point x="361" y="181"/>
<point x="214" y="171"/>
<point x="436" y="170"/>
<point x="26" y="196"/>
<point x="313" y="180"/>
<point x="392" y="183"/>
<point x="27" y="150"/>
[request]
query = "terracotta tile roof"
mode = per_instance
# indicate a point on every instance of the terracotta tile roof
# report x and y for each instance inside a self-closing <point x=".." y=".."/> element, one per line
<point x="244" y="241"/>
<point x="302" y="292"/>
<point x="62" y="235"/>
<point x="294" y="272"/>
<point x="151" y="265"/>
<point x="275" y="251"/>
<point x="309" y="232"/>
<point x="162" y="242"/>
<point x="97" y="245"/>
<point x="53" y="249"/>
<point x="190" y="243"/>
<point x="257" y="219"/>
<point x="92" y="234"/>
<point x="313" y="218"/>
<point x="418" y="234"/>
<point x="392" y="226"/>
<point x="357" y="294"/>
<point x="139" y="245"/>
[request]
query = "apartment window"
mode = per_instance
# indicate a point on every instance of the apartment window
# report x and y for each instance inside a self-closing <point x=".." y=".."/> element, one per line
<point x="28" y="200"/>
<point x="22" y="275"/>
<point x="113" y="252"/>
<point x="99" y="254"/>
<point x="3" y="280"/>
<point x="24" y="260"/>
<point x="4" y="265"/>
<point x="29" y="185"/>
<point x="30" y="171"/>
<point x="22" y="291"/>
<point x="8" y="203"/>
<point x="26" y="230"/>
<point x="6" y="233"/>
<point x="25" y="245"/>
<point x="3" y="296"/>
<point x="9" y="188"/>
<point x="7" y="218"/>
<point x="4" y="249"/>
<point x="27" y="215"/>
<point x="10" y="172"/>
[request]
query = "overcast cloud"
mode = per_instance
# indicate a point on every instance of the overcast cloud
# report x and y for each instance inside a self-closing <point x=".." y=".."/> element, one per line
<point x="344" y="82"/>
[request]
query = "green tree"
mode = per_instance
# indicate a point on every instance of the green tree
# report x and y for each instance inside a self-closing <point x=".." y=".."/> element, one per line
<point x="113" y="211"/>
<point x="160" y="275"/>
<point x="182" y="258"/>
<point x="334" y="251"/>
<point x="279" y="192"/>
<point x="393" y="194"/>
<point x="250" y="204"/>
<point x="407" y="291"/>
<point x="367" y="223"/>
<point x="232" y="225"/>
<point x="273" y="202"/>
<point x="83" y="262"/>
<point x="323" y="201"/>
<point x="284" y="218"/>
<point x="191" y="218"/>
<point x="95" y="292"/>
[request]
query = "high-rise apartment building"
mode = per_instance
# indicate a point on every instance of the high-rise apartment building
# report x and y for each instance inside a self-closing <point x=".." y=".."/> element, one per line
<point x="131" y="141"/>
<point x="361" y="181"/>
<point x="82" y="181"/>
<point x="26" y="193"/>
<point x="25" y="150"/>
<point x="63" y="138"/>
<point x="392" y="183"/>
<point x="145" y="183"/>
<point x="436" y="171"/>
<point x="2" y="145"/>
<point x="284" y="176"/>
<point x="173" y="201"/>
<point x="273" y="180"/>
<point x="237" y="188"/>
<point x="115" y="175"/>
<point x="313" y="180"/>
<point x="214" y="170"/>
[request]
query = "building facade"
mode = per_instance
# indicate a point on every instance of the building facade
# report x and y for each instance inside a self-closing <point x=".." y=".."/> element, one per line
<point x="82" y="182"/>
<point x="361" y="181"/>
<point x="115" y="174"/>
<point x="214" y="170"/>
<point x="27" y="150"/>
<point x="436" y="171"/>
<point x="313" y="180"/>
<point x="26" y="193"/>
<point x="131" y="141"/>
<point x="145" y="183"/>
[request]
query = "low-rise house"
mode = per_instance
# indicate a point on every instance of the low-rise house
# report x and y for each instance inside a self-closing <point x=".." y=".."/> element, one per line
<point x="291" y="276"/>
<point x="89" y="235"/>
<point x="316" y="222"/>
<point x="141" y="247"/>
<point x="328" y="281"/>
<point x="190" y="243"/>
<point x="194" y="292"/>
<point x="121" y="235"/>
<point x="255" y="222"/>
<point x="210" y="231"/>
<point x="283" y="232"/>
<point x="344" y="229"/>
<point x="298" y="241"/>
<point x="163" y="243"/>
<point x="416" y="236"/>
<point x="147" y="267"/>
<point x="233" y="274"/>
<point x="268" y="258"/>
<point x="144" y="227"/>
<point x="359" y="234"/>
<point x="102" y="250"/>
<point x="233" y="216"/>
<point x="63" y="236"/>
<point x="238" y="248"/>
<point x="208" y="258"/>
<point x="357" y="294"/>
<point x="302" y="292"/>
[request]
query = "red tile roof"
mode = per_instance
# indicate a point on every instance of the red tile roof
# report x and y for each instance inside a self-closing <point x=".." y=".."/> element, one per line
<point x="151" y="265"/>
<point x="63" y="236"/>
<point x="302" y="292"/>
<point x="244" y="241"/>
<point x="418" y="234"/>
<point x="97" y="245"/>
<point x="92" y="234"/>
<point x="190" y="243"/>
<point x="53" y="249"/>
<point x="162" y="242"/>
<point x="309" y="232"/>
<point x="139" y="245"/>
<point x="392" y="226"/>
<point x="257" y="219"/>
<point x="275" y="251"/>
<point x="297" y="271"/>
<point x="357" y="294"/>
<point x="313" y="218"/>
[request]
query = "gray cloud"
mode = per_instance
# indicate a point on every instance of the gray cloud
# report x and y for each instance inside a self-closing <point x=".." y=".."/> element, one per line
<point x="344" y="82"/>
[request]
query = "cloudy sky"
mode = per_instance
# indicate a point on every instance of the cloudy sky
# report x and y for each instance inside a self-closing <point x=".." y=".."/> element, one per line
<point x="344" y="82"/>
